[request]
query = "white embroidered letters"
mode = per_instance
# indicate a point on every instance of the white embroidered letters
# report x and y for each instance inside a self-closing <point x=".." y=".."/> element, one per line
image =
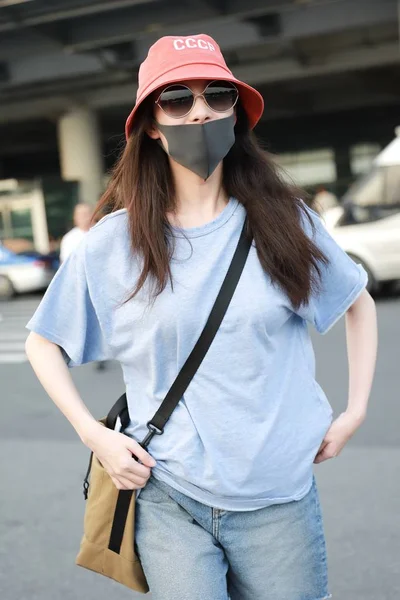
<point x="179" y="45"/>
<point x="193" y="43"/>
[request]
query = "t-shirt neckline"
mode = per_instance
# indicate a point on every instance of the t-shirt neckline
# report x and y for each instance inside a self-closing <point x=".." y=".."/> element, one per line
<point x="219" y="221"/>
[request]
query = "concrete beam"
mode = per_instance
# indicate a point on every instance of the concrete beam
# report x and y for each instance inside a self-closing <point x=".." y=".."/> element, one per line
<point x="52" y="16"/>
<point x="44" y="68"/>
<point x="340" y="62"/>
<point x="35" y="108"/>
<point x="121" y="26"/>
<point x="257" y="74"/>
<point x="215" y="6"/>
<point x="308" y="20"/>
<point x="296" y="21"/>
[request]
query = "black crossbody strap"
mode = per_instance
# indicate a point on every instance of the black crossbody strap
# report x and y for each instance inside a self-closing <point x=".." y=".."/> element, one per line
<point x="187" y="372"/>
<point x="204" y="342"/>
<point x="119" y="409"/>
<point x="178" y="388"/>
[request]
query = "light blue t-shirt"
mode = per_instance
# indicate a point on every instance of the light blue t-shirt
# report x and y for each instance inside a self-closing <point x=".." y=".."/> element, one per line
<point x="247" y="430"/>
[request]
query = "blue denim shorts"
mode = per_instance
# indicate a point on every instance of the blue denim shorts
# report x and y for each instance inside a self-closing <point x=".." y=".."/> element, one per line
<point x="190" y="551"/>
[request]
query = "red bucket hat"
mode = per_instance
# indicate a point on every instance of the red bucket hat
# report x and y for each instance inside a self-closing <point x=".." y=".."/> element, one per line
<point x="174" y="58"/>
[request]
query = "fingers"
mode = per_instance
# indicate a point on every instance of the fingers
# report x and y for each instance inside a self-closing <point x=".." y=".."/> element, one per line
<point x="128" y="481"/>
<point x="320" y="458"/>
<point x="130" y="470"/>
<point x="129" y="466"/>
<point x="127" y="471"/>
<point x="117" y="453"/>
<point x="325" y="453"/>
<point x="140" y="452"/>
<point x="121" y="483"/>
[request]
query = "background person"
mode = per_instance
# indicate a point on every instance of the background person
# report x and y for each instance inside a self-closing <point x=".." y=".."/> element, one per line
<point x="324" y="200"/>
<point x="82" y="216"/>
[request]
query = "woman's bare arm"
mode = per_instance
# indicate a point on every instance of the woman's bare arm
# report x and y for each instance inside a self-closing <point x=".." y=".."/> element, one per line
<point x="362" y="342"/>
<point x="113" y="449"/>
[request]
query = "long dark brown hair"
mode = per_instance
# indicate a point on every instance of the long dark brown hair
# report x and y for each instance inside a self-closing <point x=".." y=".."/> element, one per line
<point x="142" y="183"/>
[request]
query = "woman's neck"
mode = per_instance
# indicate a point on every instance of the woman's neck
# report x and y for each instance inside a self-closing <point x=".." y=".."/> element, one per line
<point x="197" y="201"/>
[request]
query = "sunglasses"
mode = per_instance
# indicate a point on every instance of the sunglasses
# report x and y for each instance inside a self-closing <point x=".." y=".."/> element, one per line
<point x="178" y="100"/>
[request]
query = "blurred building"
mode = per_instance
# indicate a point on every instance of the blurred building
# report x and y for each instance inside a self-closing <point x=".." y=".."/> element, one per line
<point x="328" y="71"/>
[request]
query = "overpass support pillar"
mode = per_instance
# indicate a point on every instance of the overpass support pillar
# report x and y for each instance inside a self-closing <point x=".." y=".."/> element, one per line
<point x="81" y="159"/>
<point x="343" y="167"/>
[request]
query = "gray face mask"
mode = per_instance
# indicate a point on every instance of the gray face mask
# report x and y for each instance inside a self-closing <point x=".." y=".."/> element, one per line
<point x="200" y="148"/>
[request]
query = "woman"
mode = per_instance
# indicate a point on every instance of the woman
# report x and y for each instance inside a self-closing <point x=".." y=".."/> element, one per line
<point x="228" y="505"/>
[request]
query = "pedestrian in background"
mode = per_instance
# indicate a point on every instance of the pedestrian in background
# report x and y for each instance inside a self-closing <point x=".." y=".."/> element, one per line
<point x="228" y="503"/>
<point x="82" y="217"/>
<point x="324" y="200"/>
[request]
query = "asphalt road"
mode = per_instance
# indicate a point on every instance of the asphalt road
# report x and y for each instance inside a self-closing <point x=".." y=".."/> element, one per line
<point x="43" y="463"/>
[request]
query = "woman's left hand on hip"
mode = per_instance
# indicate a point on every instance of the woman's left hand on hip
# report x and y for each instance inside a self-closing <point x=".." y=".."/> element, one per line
<point x="337" y="436"/>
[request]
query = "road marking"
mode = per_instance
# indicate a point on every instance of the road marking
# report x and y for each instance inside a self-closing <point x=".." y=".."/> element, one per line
<point x="4" y="346"/>
<point x="13" y="357"/>
<point x="13" y="333"/>
<point x="17" y="317"/>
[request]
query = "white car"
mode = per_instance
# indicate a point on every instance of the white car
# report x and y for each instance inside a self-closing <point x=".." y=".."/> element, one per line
<point x="20" y="273"/>
<point x="371" y="236"/>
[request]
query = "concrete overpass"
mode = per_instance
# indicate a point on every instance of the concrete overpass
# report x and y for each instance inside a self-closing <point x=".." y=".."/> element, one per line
<point x="328" y="70"/>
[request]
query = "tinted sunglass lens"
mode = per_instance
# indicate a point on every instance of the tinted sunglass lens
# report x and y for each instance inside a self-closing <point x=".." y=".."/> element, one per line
<point x="176" y="101"/>
<point x="221" y="96"/>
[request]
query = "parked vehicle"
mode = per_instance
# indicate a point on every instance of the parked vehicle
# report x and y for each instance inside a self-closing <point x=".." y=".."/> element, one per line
<point x="20" y="273"/>
<point x="367" y="223"/>
<point x="52" y="259"/>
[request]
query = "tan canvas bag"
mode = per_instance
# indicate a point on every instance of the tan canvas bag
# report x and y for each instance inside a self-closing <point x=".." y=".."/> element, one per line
<point x="100" y="551"/>
<point x="107" y="546"/>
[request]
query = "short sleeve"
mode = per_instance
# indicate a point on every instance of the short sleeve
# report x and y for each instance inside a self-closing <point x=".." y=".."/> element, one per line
<point x="66" y="315"/>
<point x="342" y="280"/>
